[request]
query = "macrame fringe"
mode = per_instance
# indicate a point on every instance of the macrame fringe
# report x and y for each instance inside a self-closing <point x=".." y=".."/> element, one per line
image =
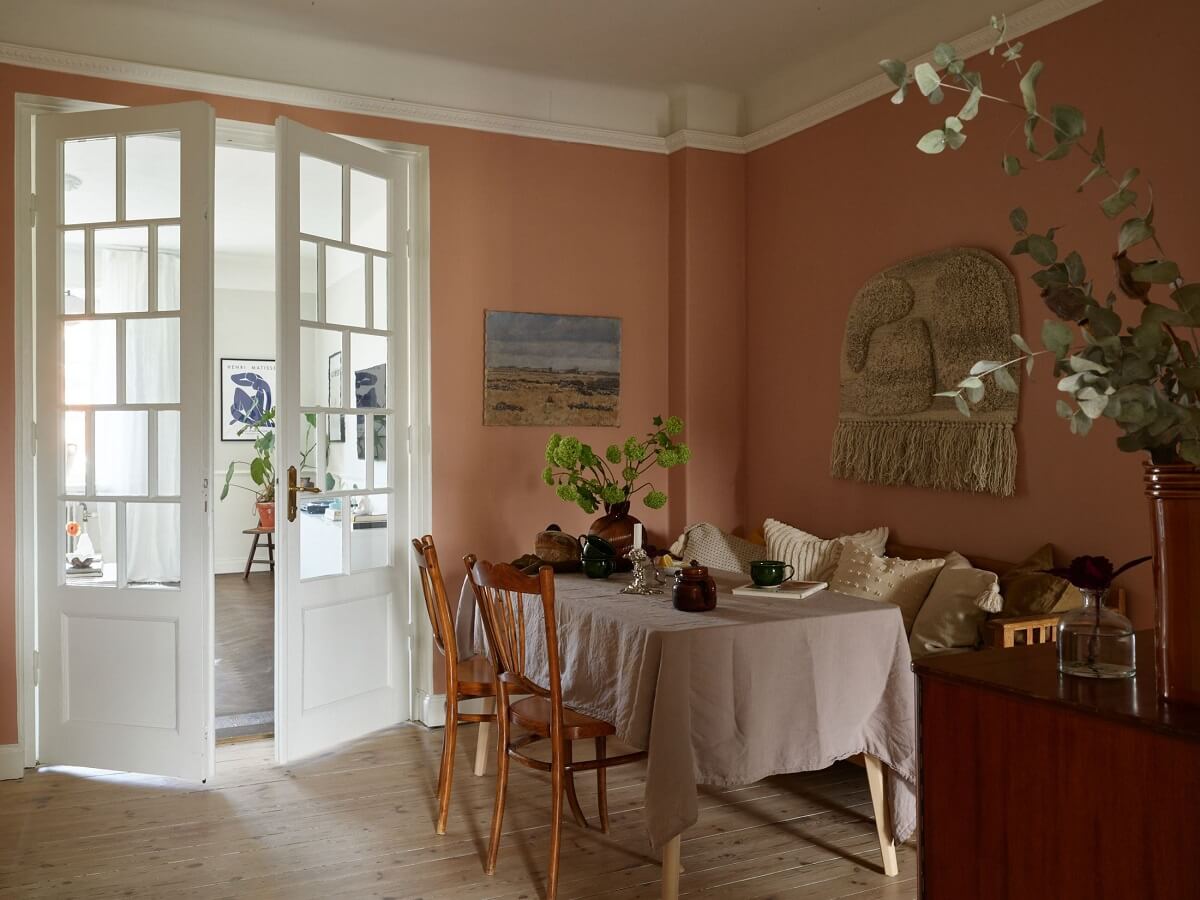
<point x="980" y="457"/>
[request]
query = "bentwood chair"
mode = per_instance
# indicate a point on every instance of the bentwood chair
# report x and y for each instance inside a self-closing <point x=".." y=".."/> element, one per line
<point x="465" y="679"/>
<point x="508" y="601"/>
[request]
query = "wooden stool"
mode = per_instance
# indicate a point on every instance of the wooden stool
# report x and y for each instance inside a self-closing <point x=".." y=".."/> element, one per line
<point x="250" y="560"/>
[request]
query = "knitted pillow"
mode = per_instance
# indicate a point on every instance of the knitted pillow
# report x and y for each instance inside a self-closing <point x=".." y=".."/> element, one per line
<point x="1028" y="589"/>
<point x="717" y="549"/>
<point x="903" y="582"/>
<point x="813" y="558"/>
<point x="956" y="608"/>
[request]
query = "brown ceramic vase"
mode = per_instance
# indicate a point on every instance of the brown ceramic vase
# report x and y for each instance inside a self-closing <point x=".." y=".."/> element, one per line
<point x="1174" y="495"/>
<point x="616" y="527"/>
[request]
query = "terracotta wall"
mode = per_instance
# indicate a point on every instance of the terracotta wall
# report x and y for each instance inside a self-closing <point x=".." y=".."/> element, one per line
<point x="834" y="204"/>
<point x="516" y="224"/>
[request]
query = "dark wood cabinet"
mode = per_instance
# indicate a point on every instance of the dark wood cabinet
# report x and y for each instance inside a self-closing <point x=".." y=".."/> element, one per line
<point x="1034" y="785"/>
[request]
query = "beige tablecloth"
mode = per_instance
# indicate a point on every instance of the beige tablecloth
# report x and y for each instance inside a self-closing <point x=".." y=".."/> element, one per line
<point x="757" y="687"/>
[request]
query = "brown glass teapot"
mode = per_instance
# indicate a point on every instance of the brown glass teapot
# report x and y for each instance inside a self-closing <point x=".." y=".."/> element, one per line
<point x="694" y="590"/>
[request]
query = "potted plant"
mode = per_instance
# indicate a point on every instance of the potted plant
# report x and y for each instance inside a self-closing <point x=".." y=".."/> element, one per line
<point x="1121" y="354"/>
<point x="261" y="468"/>
<point x="581" y="476"/>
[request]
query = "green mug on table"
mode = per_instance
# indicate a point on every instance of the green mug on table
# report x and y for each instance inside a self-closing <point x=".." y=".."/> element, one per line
<point x="770" y="572"/>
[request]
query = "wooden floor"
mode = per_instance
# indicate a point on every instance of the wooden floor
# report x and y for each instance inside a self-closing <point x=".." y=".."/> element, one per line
<point x="245" y="643"/>
<point x="359" y="823"/>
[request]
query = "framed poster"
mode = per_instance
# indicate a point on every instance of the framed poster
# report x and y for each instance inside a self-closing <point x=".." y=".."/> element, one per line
<point x="369" y="393"/>
<point x="247" y="394"/>
<point x="337" y="431"/>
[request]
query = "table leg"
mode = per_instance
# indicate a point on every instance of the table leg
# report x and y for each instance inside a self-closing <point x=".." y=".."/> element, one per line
<point x="670" y="869"/>
<point x="883" y="821"/>
<point x="481" y="742"/>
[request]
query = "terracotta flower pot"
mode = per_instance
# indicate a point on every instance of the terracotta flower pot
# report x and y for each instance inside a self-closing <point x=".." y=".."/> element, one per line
<point x="1174" y="494"/>
<point x="616" y="527"/>
<point x="266" y="514"/>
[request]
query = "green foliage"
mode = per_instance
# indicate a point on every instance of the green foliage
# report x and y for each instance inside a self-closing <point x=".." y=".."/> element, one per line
<point x="1138" y="367"/>
<point x="260" y="466"/>
<point x="580" y="476"/>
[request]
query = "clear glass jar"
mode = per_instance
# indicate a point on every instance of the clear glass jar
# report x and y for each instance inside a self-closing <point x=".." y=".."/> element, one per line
<point x="1096" y="641"/>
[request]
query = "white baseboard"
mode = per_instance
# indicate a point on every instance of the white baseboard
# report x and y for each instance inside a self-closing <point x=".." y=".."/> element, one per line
<point x="12" y="761"/>
<point x="233" y="565"/>
<point x="431" y="709"/>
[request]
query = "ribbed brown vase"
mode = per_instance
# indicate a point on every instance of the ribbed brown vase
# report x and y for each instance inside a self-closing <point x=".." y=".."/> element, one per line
<point x="616" y="527"/>
<point x="1174" y="494"/>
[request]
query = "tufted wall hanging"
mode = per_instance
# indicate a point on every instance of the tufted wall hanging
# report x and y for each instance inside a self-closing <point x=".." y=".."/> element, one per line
<point x="913" y="330"/>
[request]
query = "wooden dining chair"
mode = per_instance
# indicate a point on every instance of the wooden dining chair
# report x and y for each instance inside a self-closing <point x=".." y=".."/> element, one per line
<point x="507" y="602"/>
<point x="466" y="679"/>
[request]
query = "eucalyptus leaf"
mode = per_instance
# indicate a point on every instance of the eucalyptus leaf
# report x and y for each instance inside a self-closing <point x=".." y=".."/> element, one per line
<point x="971" y="382"/>
<point x="955" y="139"/>
<point x="984" y="365"/>
<point x="1031" y="124"/>
<point x="1020" y="247"/>
<point x="1042" y="249"/>
<point x="896" y="70"/>
<point x="1063" y="408"/>
<point x="962" y="405"/>
<point x="1093" y="407"/>
<point x="1095" y="173"/>
<point x="1117" y="202"/>
<point x="943" y="55"/>
<point x="898" y="97"/>
<point x="932" y="141"/>
<point x="975" y="394"/>
<point x="1028" y="87"/>
<point x="1076" y="271"/>
<point x="1013" y="52"/>
<point x="1133" y="232"/>
<point x="927" y="78"/>
<point x="1012" y="165"/>
<point x="1162" y="271"/>
<point x="1098" y="151"/>
<point x="1128" y="177"/>
<point x="1083" y="364"/>
<point x="1056" y="337"/>
<point x="970" y="109"/>
<point x="1069" y="124"/>
<point x="1019" y="219"/>
<point x="1080" y="423"/>
<point x="1022" y="344"/>
<point x="1005" y="381"/>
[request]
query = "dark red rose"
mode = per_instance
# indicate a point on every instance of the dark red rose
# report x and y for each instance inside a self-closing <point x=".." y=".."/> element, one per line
<point x="1093" y="573"/>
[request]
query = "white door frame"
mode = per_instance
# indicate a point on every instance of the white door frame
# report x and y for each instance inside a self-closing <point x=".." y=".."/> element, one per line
<point x="420" y="512"/>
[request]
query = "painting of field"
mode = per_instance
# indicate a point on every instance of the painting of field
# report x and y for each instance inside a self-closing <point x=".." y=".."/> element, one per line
<point x="542" y="369"/>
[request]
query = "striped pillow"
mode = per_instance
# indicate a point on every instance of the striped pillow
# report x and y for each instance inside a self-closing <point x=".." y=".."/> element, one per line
<point x="815" y="559"/>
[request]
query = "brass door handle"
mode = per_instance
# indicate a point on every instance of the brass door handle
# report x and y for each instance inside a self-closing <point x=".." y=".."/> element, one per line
<point x="293" y="489"/>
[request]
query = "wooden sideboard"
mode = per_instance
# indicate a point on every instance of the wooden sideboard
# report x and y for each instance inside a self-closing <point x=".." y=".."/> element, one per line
<point x="1034" y="785"/>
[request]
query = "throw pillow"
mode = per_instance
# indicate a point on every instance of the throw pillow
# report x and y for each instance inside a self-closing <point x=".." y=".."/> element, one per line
<point x="814" y="558"/>
<point x="1029" y="590"/>
<point x="956" y="608"/>
<point x="903" y="582"/>
<point x="717" y="549"/>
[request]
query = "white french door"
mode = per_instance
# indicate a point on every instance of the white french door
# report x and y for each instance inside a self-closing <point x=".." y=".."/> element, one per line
<point x="343" y="419"/>
<point x="123" y="310"/>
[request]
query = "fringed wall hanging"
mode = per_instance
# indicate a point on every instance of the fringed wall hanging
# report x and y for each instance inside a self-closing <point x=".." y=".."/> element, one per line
<point x="913" y="330"/>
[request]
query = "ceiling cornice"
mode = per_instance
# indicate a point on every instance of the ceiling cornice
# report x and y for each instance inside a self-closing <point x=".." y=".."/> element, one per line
<point x="1023" y="22"/>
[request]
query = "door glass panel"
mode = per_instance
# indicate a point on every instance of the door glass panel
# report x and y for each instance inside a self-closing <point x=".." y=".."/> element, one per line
<point x="308" y="281"/>
<point x="75" y="454"/>
<point x="368" y="210"/>
<point x="320" y="198"/>
<point x="317" y="345"/>
<point x="380" y="427"/>
<point x="122" y="270"/>
<point x="368" y="353"/>
<point x="168" y="267"/>
<point x="90" y="362"/>
<point x="332" y="452"/>
<point x="373" y="447"/>
<point x="152" y="545"/>
<point x="152" y="360"/>
<point x="90" y="180"/>
<point x="320" y="537"/>
<point x="379" y="292"/>
<point x="168" y="453"/>
<point x="306" y="466"/>
<point x="121" y="449"/>
<point x="89" y="533"/>
<point x="369" y="536"/>
<point x="152" y="176"/>
<point x="345" y="287"/>
<point x="74" y="273"/>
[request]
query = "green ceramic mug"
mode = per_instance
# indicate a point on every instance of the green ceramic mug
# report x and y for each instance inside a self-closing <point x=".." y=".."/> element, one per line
<point x="600" y="567"/>
<point x="770" y="572"/>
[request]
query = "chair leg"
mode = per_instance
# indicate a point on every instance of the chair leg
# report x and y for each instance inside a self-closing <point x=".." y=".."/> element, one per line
<point x="250" y="558"/>
<point x="572" y="797"/>
<point x="602" y="785"/>
<point x="557" y="778"/>
<point x="489" y="867"/>
<point x="481" y="742"/>
<point x="449" y="740"/>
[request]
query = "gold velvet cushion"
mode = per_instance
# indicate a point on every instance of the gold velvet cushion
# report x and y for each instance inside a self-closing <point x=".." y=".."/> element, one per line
<point x="956" y="608"/>
<point x="815" y="559"/>
<point x="903" y="582"/>
<point x="1028" y="589"/>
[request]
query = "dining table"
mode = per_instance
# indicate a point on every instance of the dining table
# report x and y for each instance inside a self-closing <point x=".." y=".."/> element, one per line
<point x="761" y="685"/>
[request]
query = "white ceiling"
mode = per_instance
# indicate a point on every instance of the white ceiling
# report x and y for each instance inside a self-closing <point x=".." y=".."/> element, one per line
<point x="601" y="63"/>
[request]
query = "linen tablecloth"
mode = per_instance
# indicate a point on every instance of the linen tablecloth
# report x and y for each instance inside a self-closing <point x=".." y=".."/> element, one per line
<point x="759" y="686"/>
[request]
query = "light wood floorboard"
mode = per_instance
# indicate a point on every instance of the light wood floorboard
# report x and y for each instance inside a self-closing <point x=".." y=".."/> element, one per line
<point x="359" y="823"/>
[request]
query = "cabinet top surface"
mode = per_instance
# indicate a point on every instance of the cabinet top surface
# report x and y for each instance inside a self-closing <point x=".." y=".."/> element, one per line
<point x="1032" y="673"/>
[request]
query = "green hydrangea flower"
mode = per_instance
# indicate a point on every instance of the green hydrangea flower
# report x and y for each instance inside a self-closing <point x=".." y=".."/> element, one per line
<point x="548" y="475"/>
<point x="552" y="446"/>
<point x="566" y="454"/>
<point x="673" y="425"/>
<point x="588" y="456"/>
<point x="587" y="504"/>
<point x="613" y="454"/>
<point x="612" y="493"/>
<point x="629" y="473"/>
<point x="634" y="451"/>
<point x="568" y="492"/>
<point x="656" y="500"/>
<point x="677" y="455"/>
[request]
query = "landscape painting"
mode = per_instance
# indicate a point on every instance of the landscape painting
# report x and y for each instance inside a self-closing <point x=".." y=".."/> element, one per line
<point x="542" y="369"/>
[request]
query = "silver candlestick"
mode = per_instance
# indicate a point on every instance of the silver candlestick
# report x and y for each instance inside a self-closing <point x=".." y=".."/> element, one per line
<point x="641" y="582"/>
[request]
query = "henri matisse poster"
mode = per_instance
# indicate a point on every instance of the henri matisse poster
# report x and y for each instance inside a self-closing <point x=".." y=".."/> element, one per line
<point x="247" y="394"/>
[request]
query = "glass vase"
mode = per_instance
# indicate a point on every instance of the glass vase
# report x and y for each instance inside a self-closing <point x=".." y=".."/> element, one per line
<point x="1096" y="641"/>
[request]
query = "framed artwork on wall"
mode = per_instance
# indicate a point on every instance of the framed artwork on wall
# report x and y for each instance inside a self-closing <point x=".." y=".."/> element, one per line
<point x="247" y="394"/>
<point x="370" y="393"/>
<point x="543" y="369"/>
<point x="337" y="432"/>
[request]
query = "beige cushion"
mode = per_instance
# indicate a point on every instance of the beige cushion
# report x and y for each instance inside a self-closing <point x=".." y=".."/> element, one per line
<point x="904" y="582"/>
<point x="1028" y="589"/>
<point x="717" y="549"/>
<point x="955" y="609"/>
<point x="814" y="558"/>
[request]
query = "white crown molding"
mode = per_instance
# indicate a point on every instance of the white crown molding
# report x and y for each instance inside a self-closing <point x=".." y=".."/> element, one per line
<point x="1019" y="23"/>
<point x="316" y="98"/>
